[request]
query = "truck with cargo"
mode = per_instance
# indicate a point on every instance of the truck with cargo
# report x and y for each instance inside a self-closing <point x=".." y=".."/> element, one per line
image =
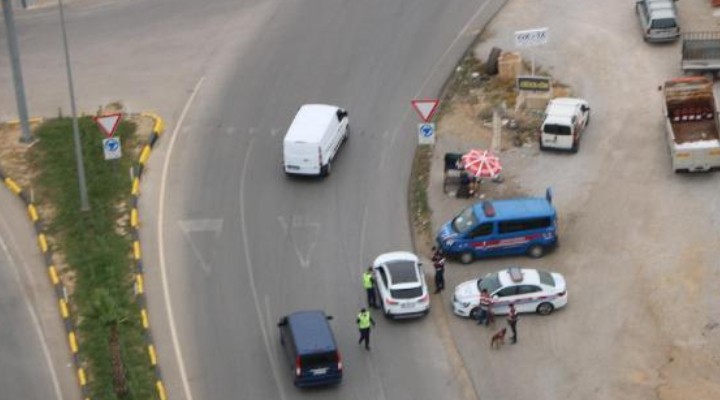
<point x="691" y="114"/>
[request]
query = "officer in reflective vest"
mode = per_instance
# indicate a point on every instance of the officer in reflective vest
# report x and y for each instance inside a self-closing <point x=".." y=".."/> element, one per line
<point x="364" y="321"/>
<point x="369" y="286"/>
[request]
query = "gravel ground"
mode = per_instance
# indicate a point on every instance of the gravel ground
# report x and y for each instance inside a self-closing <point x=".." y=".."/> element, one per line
<point x="638" y="243"/>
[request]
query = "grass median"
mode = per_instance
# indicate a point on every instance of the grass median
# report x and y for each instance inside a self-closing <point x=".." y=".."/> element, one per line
<point x="96" y="248"/>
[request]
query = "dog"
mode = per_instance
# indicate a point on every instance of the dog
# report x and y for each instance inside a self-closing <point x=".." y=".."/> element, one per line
<point x="498" y="339"/>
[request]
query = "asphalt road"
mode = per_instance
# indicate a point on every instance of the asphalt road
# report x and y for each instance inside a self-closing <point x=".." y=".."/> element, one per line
<point x="241" y="245"/>
<point x="35" y="361"/>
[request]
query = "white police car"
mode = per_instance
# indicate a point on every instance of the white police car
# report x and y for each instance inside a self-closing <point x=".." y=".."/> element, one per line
<point x="531" y="290"/>
<point x="400" y="282"/>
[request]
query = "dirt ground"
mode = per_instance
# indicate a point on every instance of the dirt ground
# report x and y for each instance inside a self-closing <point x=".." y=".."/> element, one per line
<point x="638" y="244"/>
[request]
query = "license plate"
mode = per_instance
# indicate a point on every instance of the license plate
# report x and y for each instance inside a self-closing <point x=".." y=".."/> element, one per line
<point x="293" y="167"/>
<point x="319" y="371"/>
<point x="407" y="305"/>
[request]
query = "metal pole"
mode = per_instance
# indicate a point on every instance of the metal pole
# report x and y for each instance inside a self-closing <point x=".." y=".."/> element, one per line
<point x="84" y="205"/>
<point x="17" y="72"/>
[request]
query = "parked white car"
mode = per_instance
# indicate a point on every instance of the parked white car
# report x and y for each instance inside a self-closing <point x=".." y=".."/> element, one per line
<point x="531" y="290"/>
<point x="401" y="286"/>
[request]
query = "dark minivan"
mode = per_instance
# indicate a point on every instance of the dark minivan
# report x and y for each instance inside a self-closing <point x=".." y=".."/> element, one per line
<point x="310" y="346"/>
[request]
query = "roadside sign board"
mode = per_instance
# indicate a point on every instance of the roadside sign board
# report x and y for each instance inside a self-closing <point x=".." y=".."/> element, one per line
<point x="111" y="148"/>
<point x="108" y="123"/>
<point x="533" y="83"/>
<point x="426" y="133"/>
<point x="426" y="108"/>
<point x="531" y="37"/>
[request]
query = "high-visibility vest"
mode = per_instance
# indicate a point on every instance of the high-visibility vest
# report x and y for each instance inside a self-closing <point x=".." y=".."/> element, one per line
<point x="364" y="320"/>
<point x="367" y="280"/>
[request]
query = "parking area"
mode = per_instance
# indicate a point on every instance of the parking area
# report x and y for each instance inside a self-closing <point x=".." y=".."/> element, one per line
<point x="638" y="243"/>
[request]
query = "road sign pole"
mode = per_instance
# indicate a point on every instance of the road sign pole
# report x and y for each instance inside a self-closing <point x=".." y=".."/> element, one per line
<point x="84" y="203"/>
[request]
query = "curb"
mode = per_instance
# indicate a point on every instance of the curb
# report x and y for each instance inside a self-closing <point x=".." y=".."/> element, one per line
<point x="138" y="169"/>
<point x="60" y="291"/>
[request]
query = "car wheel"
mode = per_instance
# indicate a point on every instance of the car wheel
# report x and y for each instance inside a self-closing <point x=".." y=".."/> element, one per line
<point x="325" y="170"/>
<point x="536" y="251"/>
<point x="575" y="146"/>
<point x="347" y="134"/>
<point x="545" y="308"/>
<point x="474" y="313"/>
<point x="467" y="257"/>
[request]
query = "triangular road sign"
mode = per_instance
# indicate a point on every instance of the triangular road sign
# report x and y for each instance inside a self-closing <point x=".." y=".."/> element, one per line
<point x="426" y="108"/>
<point x="108" y="123"/>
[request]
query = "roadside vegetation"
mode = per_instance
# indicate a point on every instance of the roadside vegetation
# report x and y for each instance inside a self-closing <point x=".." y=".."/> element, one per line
<point x="95" y="247"/>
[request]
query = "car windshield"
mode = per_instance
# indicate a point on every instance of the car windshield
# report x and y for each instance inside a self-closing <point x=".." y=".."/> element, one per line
<point x="546" y="278"/>
<point x="491" y="282"/>
<point x="409" y="293"/>
<point x="402" y="271"/>
<point x="555" y="129"/>
<point x="465" y="221"/>
<point x="319" y="360"/>
<point x="663" y="23"/>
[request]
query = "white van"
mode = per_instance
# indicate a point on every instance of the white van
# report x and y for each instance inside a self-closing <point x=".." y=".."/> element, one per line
<point x="313" y="139"/>
<point x="565" y="120"/>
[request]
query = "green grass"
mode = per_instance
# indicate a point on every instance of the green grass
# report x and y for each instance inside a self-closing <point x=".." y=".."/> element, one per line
<point x="97" y="248"/>
<point x="420" y="211"/>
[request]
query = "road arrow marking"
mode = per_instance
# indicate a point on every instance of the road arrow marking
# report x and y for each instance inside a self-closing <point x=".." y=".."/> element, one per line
<point x="200" y="225"/>
<point x="299" y="231"/>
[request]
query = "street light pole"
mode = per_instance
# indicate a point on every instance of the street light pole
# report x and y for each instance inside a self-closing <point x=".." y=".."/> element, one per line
<point x="17" y="72"/>
<point x="84" y="205"/>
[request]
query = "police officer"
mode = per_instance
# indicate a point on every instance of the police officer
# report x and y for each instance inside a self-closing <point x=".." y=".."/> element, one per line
<point x="364" y="321"/>
<point x="439" y="264"/>
<point x="512" y="321"/>
<point x="369" y="286"/>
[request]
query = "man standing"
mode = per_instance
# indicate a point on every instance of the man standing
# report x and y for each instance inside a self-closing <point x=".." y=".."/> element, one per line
<point x="439" y="264"/>
<point x="369" y="286"/>
<point x="486" y="315"/>
<point x="364" y="321"/>
<point x="512" y="321"/>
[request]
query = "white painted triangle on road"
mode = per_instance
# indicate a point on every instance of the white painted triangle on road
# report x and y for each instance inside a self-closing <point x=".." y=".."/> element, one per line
<point x="108" y="123"/>
<point x="425" y="108"/>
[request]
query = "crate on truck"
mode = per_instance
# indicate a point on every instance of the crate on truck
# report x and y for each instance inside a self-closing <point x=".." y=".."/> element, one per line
<point x="690" y="110"/>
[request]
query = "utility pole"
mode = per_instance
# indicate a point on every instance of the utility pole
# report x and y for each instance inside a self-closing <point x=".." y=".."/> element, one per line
<point x="84" y="205"/>
<point x="17" y="72"/>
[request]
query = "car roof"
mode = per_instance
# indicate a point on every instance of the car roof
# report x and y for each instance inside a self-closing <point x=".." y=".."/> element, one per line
<point x="528" y="207"/>
<point x="402" y="272"/>
<point x="529" y="276"/>
<point x="561" y="110"/>
<point x="304" y="127"/>
<point x="311" y="332"/>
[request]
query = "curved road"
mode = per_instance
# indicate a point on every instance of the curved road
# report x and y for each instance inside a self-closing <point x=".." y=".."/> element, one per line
<point x="240" y="244"/>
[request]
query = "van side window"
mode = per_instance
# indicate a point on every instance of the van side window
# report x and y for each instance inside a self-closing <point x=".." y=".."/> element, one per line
<point x="482" y="230"/>
<point x="524" y="225"/>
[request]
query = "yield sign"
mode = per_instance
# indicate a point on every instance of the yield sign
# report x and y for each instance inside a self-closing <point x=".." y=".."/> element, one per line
<point x="108" y="123"/>
<point x="426" y="108"/>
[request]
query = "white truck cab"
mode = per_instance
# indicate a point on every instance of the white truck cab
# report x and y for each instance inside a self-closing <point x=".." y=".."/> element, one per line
<point x="565" y="120"/>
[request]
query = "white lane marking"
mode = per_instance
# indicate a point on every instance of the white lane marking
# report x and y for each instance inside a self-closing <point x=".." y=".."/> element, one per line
<point x="374" y="377"/>
<point x="161" y="244"/>
<point x="251" y="275"/>
<point x="301" y="222"/>
<point x="200" y="225"/>
<point x="31" y="310"/>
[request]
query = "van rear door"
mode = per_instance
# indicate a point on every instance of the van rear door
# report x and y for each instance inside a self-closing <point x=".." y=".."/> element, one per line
<point x="301" y="158"/>
<point x="557" y="136"/>
<point x="318" y="368"/>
